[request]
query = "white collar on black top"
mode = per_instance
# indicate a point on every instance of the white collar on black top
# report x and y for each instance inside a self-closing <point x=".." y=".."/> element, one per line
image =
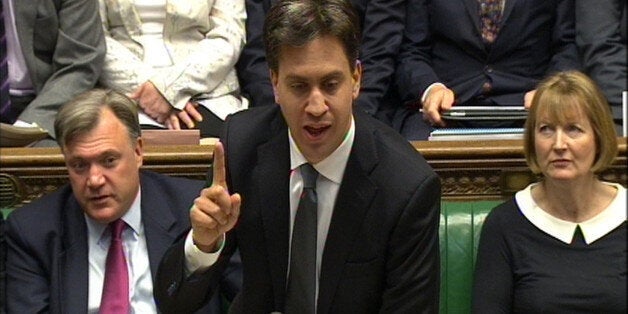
<point x="592" y="229"/>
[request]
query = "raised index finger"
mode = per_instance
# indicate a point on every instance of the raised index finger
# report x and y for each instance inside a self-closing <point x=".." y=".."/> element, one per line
<point x="220" y="175"/>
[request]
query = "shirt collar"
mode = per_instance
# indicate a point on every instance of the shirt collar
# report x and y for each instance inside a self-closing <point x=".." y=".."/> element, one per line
<point x="592" y="229"/>
<point x="333" y="166"/>
<point x="133" y="218"/>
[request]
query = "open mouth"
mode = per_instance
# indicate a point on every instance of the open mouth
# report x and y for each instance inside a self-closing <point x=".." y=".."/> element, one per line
<point x="315" y="132"/>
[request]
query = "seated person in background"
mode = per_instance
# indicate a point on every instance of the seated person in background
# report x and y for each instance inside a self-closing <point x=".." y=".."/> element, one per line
<point x="559" y="246"/>
<point x="176" y="59"/>
<point x="478" y="53"/>
<point x="304" y="190"/>
<point x="59" y="257"/>
<point x="55" y="51"/>
<point x="382" y="23"/>
<point x="601" y="38"/>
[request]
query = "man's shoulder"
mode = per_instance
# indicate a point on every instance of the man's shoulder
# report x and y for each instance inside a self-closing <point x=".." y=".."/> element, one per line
<point x="46" y="210"/>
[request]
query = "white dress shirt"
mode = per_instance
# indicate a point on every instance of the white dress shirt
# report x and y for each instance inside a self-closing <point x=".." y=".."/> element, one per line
<point x="136" y="253"/>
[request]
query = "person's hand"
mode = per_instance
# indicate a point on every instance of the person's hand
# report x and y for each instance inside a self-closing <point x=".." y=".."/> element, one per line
<point x="439" y="99"/>
<point x="189" y="115"/>
<point x="152" y="102"/>
<point x="527" y="98"/>
<point x="215" y="211"/>
<point x="186" y="115"/>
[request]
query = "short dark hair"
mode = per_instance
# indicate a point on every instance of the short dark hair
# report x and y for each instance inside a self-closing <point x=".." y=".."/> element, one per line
<point x="298" y="22"/>
<point x="81" y="114"/>
<point x="562" y="95"/>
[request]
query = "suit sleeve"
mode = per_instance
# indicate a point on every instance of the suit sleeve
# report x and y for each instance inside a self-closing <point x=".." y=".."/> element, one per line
<point x="382" y="31"/>
<point x="27" y="284"/>
<point x="177" y="293"/>
<point x="413" y="267"/>
<point x="492" y="283"/>
<point x="563" y="39"/>
<point x="414" y="72"/>
<point x="252" y="66"/>
<point x="601" y="45"/>
<point x="76" y="63"/>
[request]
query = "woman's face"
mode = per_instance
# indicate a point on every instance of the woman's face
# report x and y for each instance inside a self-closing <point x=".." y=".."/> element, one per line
<point x="565" y="151"/>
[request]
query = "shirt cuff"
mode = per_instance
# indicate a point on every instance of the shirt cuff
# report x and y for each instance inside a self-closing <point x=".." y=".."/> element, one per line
<point x="197" y="260"/>
<point x="428" y="89"/>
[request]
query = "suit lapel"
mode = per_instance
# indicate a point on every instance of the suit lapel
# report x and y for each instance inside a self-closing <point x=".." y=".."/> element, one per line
<point x="158" y="223"/>
<point x="352" y="204"/>
<point x="508" y="5"/>
<point x="473" y="11"/>
<point x="128" y="15"/>
<point x="272" y="173"/>
<point x="73" y="262"/>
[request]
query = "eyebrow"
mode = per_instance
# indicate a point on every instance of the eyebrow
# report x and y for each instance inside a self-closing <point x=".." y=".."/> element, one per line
<point x="331" y="75"/>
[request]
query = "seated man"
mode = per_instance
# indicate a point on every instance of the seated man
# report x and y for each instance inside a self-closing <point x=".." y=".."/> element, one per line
<point x="55" y="50"/>
<point x="94" y="244"/>
<point x="478" y="53"/>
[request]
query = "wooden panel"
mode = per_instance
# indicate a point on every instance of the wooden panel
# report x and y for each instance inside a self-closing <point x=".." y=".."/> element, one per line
<point x="469" y="170"/>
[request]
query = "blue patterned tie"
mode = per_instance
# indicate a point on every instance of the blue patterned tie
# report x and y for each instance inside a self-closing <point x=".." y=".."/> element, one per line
<point x="5" y="101"/>
<point x="301" y="290"/>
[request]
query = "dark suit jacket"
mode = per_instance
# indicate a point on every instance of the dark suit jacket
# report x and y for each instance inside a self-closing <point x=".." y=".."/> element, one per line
<point x="47" y="269"/>
<point x="381" y="252"/>
<point x="382" y="23"/>
<point x="64" y="49"/>
<point x="601" y="38"/>
<point x="443" y="43"/>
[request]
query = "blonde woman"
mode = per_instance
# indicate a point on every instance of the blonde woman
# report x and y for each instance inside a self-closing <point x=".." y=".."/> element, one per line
<point x="560" y="244"/>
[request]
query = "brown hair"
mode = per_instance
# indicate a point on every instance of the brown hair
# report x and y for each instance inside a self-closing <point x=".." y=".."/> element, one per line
<point x="563" y="95"/>
<point x="298" y="22"/>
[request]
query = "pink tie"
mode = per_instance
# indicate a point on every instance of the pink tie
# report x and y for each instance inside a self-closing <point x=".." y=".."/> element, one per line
<point x="115" y="292"/>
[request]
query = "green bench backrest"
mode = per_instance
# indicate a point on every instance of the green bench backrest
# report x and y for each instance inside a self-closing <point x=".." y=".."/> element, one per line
<point x="459" y="231"/>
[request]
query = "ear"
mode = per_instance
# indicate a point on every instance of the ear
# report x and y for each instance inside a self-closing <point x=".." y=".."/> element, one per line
<point x="274" y="81"/>
<point x="139" y="152"/>
<point x="357" y="79"/>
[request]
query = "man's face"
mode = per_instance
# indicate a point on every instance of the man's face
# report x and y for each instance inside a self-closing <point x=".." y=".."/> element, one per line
<point x="315" y="88"/>
<point x="103" y="167"/>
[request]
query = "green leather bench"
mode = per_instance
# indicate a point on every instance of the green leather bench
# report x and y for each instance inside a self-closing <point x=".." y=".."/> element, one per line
<point x="459" y="231"/>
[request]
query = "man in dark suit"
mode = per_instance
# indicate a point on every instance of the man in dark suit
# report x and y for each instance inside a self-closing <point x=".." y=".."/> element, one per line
<point x="58" y="246"/>
<point x="382" y="23"/>
<point x="602" y="39"/>
<point x="56" y="50"/>
<point x="446" y="60"/>
<point x="375" y="235"/>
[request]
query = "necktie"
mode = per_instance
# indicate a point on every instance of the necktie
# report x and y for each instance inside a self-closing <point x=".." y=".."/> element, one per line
<point x="490" y="16"/>
<point x="115" y="293"/>
<point x="300" y="296"/>
<point x="5" y="101"/>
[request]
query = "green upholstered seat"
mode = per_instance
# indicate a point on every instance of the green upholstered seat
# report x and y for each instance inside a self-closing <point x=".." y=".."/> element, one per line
<point x="459" y="231"/>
